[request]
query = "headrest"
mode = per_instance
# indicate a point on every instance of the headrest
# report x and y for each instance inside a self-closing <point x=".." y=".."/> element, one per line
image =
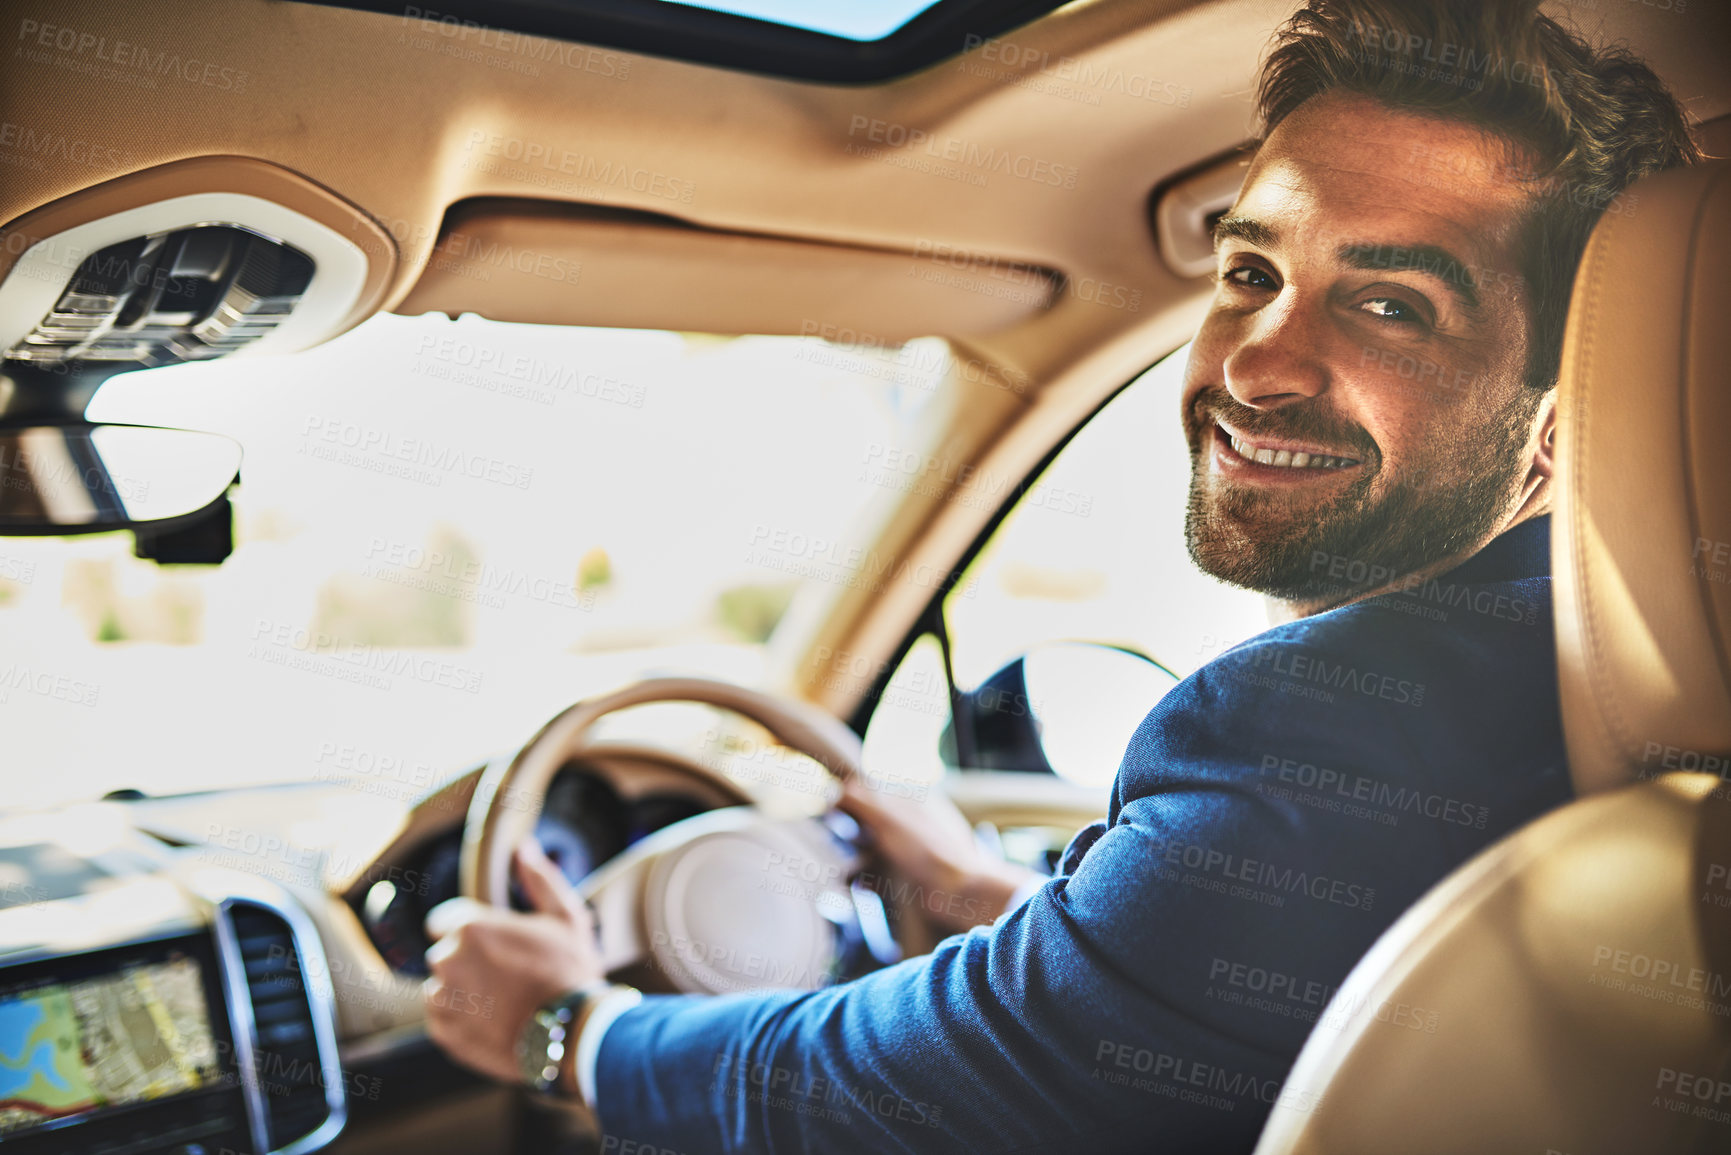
<point x="1641" y="540"/>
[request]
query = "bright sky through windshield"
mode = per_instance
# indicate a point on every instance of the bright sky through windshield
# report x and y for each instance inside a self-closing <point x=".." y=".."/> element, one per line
<point x="445" y="532"/>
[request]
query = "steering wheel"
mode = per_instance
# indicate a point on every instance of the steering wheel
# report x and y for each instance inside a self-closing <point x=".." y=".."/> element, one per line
<point x="730" y="899"/>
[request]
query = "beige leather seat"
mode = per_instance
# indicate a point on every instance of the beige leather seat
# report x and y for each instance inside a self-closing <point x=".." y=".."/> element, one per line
<point x="1569" y="990"/>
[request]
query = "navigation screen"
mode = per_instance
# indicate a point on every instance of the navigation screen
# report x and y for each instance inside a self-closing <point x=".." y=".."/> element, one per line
<point x="138" y="1033"/>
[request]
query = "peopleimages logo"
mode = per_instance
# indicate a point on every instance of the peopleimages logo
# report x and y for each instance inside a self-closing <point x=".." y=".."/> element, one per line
<point x="33" y="146"/>
<point x="1067" y="77"/>
<point x="826" y="560"/>
<point x="977" y="159"/>
<point x="1702" y="1096"/>
<point x="1347" y="790"/>
<point x="90" y="54"/>
<point x="494" y="152"/>
<point x="921" y="364"/>
<point x="810" y="1094"/>
<point x="471" y="250"/>
<point x="314" y="651"/>
<point x="45" y="684"/>
<point x="1320" y="672"/>
<point x="962" y="482"/>
<point x="1265" y="882"/>
<point x="412" y="458"/>
<point x="1205" y="1084"/>
<point x="471" y="41"/>
<point x="16" y="569"/>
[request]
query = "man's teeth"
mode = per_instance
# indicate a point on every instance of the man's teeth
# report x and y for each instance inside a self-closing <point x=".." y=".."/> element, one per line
<point x="1286" y="458"/>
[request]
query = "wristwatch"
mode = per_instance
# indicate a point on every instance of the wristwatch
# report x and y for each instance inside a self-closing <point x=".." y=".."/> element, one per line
<point x="552" y="1030"/>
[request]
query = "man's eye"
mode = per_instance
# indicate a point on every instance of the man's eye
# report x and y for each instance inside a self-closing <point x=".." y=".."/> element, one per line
<point x="1392" y="310"/>
<point x="1249" y="276"/>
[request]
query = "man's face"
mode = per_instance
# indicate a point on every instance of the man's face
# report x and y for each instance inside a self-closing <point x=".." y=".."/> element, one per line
<point x="1354" y="400"/>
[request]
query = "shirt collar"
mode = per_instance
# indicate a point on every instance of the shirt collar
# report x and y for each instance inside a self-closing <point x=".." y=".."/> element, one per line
<point x="1521" y="552"/>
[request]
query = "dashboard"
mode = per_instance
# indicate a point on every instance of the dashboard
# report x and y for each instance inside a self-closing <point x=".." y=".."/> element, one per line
<point x="584" y="822"/>
<point x="238" y="973"/>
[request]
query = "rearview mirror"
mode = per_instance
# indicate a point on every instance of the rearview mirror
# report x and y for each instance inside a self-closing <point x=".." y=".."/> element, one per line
<point x="74" y="477"/>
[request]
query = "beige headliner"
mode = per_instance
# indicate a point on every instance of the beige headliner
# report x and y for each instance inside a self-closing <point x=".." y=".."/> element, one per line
<point x="358" y="103"/>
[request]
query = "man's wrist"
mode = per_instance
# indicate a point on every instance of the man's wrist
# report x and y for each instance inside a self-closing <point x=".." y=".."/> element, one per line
<point x="546" y="1041"/>
<point x="577" y="1067"/>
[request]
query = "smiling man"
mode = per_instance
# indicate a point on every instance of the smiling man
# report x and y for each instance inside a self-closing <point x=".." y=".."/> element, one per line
<point x="1370" y="410"/>
<point x="1339" y="271"/>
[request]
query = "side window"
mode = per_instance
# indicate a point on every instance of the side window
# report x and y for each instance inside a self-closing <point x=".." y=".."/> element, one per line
<point x="1093" y="552"/>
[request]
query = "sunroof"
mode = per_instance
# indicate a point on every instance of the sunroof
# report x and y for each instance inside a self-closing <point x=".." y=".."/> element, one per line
<point x="854" y="19"/>
<point x="832" y="41"/>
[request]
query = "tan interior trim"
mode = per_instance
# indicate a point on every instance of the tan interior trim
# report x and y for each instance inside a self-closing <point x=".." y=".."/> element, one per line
<point x="215" y="174"/>
<point x="1641" y="549"/>
<point x="1535" y="998"/>
<point x="555" y="264"/>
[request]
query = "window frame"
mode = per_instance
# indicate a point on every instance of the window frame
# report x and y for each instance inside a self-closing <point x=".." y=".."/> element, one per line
<point x="931" y="620"/>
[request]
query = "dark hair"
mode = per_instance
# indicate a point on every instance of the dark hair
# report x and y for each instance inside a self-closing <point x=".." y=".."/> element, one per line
<point x="1583" y="123"/>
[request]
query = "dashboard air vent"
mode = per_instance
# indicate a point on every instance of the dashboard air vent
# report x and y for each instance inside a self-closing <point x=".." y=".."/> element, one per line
<point x="291" y="1078"/>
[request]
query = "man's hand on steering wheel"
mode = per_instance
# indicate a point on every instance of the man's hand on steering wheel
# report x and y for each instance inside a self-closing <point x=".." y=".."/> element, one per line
<point x="492" y="967"/>
<point x="929" y="843"/>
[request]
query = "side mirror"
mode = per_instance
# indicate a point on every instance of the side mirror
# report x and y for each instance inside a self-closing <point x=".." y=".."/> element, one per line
<point x="1065" y="708"/>
<point x="73" y="477"/>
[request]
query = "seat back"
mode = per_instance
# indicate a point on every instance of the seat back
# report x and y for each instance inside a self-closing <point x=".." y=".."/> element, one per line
<point x="1569" y="990"/>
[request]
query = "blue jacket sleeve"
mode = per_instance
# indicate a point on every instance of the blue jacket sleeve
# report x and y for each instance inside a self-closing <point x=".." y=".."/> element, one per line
<point x="1272" y="815"/>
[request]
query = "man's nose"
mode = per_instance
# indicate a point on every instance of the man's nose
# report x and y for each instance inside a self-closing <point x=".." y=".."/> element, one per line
<point x="1280" y="359"/>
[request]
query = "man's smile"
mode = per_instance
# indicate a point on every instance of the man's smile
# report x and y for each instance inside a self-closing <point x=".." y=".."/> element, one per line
<point x="1275" y="460"/>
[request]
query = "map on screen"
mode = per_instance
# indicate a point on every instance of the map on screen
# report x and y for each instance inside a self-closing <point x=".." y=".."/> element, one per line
<point x="70" y="1048"/>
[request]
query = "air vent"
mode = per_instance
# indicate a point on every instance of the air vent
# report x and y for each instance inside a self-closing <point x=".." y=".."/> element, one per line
<point x="291" y="1075"/>
<point x="187" y="295"/>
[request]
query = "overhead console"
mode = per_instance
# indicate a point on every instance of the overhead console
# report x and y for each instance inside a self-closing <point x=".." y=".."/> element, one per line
<point x="188" y="261"/>
<point x="184" y="295"/>
<point x="191" y="1022"/>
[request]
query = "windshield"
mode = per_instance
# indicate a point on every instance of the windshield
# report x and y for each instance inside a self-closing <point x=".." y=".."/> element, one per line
<point x="445" y="532"/>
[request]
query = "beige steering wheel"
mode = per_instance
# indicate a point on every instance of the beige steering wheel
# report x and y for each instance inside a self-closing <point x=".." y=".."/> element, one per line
<point x="727" y="900"/>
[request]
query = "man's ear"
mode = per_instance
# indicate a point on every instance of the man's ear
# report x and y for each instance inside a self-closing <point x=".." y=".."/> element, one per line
<point x="1544" y="455"/>
<point x="1536" y="493"/>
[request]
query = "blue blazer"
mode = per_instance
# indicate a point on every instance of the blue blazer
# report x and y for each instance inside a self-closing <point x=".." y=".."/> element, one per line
<point x="1272" y="816"/>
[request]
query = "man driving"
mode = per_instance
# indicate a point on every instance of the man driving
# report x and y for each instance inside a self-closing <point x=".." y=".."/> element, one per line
<point x="1370" y="408"/>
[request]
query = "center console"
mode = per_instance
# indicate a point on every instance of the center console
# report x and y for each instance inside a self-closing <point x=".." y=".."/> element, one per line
<point x="207" y="1033"/>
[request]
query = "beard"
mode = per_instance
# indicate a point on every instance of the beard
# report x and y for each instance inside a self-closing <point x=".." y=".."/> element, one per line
<point x="1363" y="537"/>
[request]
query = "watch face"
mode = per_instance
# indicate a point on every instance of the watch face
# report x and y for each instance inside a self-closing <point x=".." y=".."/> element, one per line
<point x="544" y="1040"/>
